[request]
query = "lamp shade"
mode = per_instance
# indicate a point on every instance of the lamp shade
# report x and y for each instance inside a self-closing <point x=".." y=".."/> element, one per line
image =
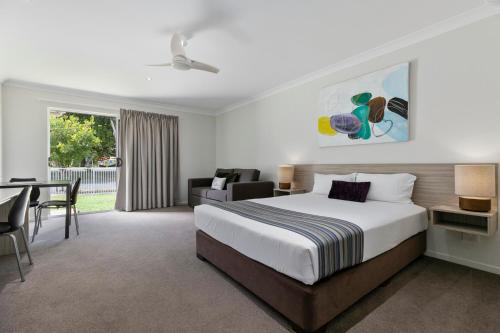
<point x="285" y="173"/>
<point x="475" y="180"/>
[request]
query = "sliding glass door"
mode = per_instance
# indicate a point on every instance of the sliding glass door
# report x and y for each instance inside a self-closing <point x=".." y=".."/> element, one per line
<point x="84" y="146"/>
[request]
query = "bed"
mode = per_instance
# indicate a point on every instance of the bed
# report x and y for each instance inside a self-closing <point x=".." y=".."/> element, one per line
<point x="281" y="266"/>
<point x="385" y="225"/>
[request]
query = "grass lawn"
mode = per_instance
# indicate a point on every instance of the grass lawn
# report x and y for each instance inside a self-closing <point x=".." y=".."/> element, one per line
<point x="88" y="203"/>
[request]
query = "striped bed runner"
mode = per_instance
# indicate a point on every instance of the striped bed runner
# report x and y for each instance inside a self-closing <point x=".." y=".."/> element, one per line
<point x="340" y="243"/>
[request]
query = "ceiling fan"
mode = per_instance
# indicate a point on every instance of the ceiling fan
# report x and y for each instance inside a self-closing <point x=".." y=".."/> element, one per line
<point x="179" y="59"/>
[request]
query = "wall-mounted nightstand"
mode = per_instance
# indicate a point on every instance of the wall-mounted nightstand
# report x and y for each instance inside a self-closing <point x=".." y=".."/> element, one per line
<point x="279" y="192"/>
<point x="456" y="219"/>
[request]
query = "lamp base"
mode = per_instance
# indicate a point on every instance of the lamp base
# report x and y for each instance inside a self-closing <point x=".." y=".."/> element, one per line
<point x="285" y="186"/>
<point x="474" y="204"/>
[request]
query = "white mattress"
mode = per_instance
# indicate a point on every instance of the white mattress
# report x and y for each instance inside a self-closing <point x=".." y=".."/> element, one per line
<point x="385" y="225"/>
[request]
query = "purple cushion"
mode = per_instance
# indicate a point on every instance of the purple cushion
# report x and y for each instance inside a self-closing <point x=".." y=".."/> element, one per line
<point x="351" y="191"/>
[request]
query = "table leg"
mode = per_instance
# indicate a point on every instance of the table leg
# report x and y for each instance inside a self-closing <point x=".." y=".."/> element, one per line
<point x="68" y="211"/>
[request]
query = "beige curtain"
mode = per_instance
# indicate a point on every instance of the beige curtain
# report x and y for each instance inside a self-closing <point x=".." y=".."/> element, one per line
<point x="148" y="145"/>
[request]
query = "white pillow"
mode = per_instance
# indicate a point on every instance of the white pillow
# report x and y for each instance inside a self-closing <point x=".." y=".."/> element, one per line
<point x="323" y="183"/>
<point x="218" y="183"/>
<point x="396" y="187"/>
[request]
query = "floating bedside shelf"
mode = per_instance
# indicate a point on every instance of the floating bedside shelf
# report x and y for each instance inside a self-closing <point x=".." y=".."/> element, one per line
<point x="279" y="192"/>
<point x="456" y="219"/>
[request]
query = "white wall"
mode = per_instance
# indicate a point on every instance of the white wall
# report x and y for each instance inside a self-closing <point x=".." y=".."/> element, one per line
<point x="455" y="117"/>
<point x="25" y="130"/>
<point x="1" y="131"/>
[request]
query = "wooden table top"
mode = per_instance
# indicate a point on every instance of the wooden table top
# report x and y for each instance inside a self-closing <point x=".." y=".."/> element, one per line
<point x="40" y="183"/>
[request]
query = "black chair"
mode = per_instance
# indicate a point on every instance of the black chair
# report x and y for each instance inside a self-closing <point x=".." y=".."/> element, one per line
<point x="35" y="193"/>
<point x="16" y="222"/>
<point x="56" y="204"/>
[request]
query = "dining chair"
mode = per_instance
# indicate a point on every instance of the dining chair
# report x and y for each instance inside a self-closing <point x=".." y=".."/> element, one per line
<point x="15" y="221"/>
<point x="35" y="193"/>
<point x="56" y="204"/>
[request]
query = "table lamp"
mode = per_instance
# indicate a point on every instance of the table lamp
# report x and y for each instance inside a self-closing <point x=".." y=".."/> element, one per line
<point x="475" y="185"/>
<point x="285" y="176"/>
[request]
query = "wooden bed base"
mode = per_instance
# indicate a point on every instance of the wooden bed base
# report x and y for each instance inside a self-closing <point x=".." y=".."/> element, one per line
<point x="309" y="308"/>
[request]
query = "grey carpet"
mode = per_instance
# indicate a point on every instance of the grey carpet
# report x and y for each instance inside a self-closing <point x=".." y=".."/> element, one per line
<point x="137" y="272"/>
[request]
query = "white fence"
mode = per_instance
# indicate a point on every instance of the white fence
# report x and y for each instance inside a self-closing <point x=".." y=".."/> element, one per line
<point x="94" y="180"/>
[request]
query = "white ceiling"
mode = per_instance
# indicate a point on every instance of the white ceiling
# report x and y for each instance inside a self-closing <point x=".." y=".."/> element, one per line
<point x="103" y="45"/>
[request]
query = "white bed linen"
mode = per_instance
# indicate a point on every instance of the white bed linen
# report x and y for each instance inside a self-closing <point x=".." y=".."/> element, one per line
<point x="384" y="224"/>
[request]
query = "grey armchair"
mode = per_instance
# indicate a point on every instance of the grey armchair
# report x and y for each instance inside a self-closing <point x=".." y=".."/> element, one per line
<point x="247" y="186"/>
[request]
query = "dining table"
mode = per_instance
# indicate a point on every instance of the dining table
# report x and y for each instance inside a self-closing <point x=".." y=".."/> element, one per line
<point x="47" y="184"/>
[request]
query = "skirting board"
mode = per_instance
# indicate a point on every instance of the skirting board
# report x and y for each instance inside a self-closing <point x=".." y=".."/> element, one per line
<point x="464" y="262"/>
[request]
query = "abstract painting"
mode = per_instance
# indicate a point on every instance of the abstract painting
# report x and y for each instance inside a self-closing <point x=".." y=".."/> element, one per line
<point x="370" y="109"/>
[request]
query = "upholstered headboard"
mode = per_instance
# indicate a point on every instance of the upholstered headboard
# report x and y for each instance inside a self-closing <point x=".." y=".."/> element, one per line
<point x="435" y="183"/>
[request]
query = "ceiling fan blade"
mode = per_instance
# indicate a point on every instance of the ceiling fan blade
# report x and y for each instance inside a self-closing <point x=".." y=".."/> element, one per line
<point x="203" y="67"/>
<point x="176" y="45"/>
<point x="160" y="65"/>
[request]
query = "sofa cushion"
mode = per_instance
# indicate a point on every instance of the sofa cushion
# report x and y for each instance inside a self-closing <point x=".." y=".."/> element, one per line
<point x="231" y="178"/>
<point x="219" y="195"/>
<point x="229" y="174"/>
<point x="223" y="172"/>
<point x="218" y="183"/>
<point x="200" y="191"/>
<point x="248" y="175"/>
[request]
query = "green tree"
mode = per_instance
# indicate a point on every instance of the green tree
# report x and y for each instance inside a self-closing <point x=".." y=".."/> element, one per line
<point x="104" y="131"/>
<point x="72" y="140"/>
